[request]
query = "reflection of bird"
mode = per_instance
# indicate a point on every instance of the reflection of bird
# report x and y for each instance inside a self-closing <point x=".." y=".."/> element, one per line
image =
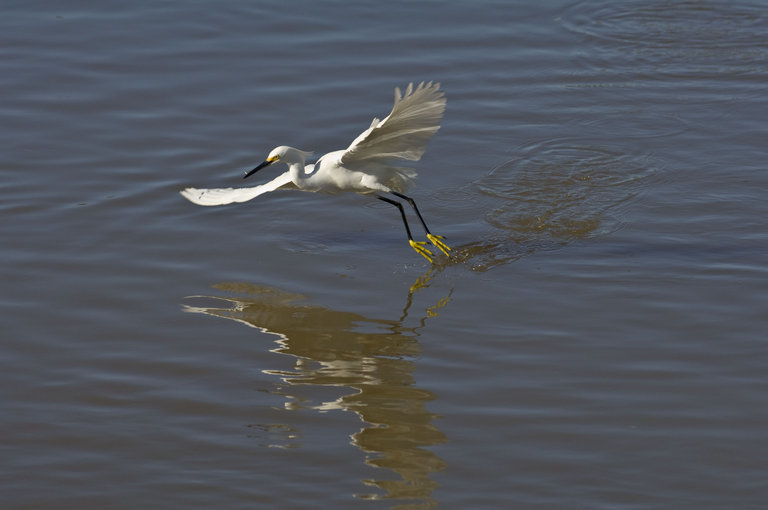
<point x="367" y="166"/>
<point x="344" y="360"/>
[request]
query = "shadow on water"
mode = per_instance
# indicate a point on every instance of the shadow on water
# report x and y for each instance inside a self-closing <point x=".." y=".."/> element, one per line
<point x="374" y="357"/>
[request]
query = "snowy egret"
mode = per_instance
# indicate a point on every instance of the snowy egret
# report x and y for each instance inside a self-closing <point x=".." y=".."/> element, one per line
<point x="368" y="166"/>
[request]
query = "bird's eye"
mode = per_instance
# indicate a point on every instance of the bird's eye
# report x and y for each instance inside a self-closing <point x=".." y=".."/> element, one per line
<point x="273" y="159"/>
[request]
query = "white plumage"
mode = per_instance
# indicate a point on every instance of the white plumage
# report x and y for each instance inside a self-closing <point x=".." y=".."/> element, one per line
<point x="372" y="163"/>
<point x="221" y="196"/>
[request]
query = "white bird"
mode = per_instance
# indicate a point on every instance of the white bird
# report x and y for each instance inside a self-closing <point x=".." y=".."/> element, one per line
<point x="368" y="166"/>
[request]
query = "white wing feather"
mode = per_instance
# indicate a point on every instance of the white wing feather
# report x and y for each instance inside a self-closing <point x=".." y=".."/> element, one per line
<point x="222" y="196"/>
<point x="405" y="132"/>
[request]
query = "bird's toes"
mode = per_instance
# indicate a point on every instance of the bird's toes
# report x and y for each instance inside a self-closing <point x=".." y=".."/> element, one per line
<point x="438" y="241"/>
<point x="420" y="249"/>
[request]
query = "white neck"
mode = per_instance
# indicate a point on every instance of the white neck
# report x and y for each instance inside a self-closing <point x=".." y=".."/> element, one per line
<point x="298" y="176"/>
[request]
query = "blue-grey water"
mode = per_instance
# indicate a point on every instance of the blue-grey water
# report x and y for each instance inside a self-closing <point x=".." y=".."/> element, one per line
<point x="598" y="340"/>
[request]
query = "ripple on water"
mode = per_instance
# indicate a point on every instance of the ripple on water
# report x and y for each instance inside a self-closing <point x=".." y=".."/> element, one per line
<point x="687" y="36"/>
<point x="558" y="191"/>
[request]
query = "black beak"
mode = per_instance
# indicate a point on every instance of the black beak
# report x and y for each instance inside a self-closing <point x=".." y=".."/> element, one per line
<point x="266" y="163"/>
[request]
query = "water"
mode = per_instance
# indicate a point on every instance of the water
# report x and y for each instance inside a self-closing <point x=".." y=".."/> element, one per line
<point x="597" y="340"/>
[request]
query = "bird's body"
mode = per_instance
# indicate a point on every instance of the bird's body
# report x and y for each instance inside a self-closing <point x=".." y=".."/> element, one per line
<point x="370" y="165"/>
<point x="331" y="174"/>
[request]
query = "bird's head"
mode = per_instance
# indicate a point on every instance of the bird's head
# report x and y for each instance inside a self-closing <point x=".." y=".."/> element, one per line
<point x="283" y="154"/>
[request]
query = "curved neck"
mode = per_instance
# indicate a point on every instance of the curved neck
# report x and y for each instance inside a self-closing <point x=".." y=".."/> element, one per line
<point x="297" y="173"/>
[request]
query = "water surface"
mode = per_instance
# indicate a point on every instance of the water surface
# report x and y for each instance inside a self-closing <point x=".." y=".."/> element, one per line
<point x="597" y="340"/>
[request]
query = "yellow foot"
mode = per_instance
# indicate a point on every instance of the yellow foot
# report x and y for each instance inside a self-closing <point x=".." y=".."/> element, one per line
<point x="437" y="241"/>
<point x="420" y="249"/>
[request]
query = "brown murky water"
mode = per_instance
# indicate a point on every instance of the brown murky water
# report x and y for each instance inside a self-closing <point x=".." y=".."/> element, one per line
<point x="596" y="341"/>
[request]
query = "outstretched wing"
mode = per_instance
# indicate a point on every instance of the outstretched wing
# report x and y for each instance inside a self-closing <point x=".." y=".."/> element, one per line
<point x="404" y="133"/>
<point x="222" y="196"/>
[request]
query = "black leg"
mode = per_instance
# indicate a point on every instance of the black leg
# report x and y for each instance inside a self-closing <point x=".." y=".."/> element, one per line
<point x="436" y="240"/>
<point x="416" y="245"/>
<point x="413" y="204"/>
<point x="402" y="213"/>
